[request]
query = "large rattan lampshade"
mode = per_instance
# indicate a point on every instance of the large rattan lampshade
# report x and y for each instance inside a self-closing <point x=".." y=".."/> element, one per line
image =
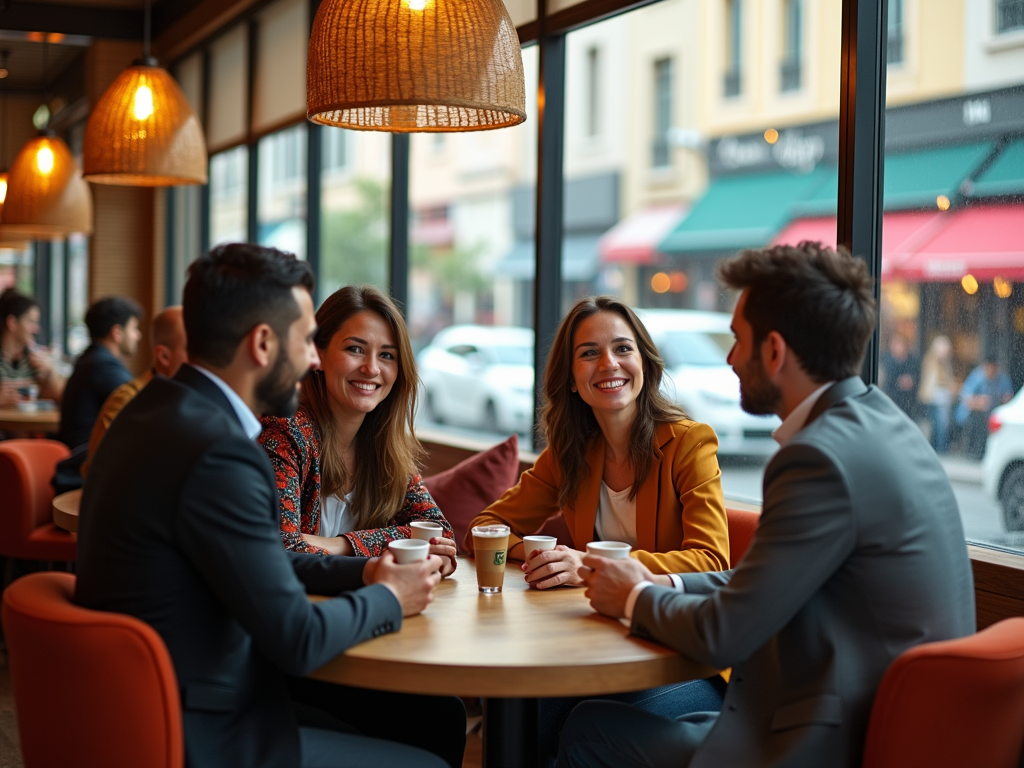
<point x="143" y="133"/>
<point x="46" y="195"/>
<point x="8" y="242"/>
<point x="415" y="65"/>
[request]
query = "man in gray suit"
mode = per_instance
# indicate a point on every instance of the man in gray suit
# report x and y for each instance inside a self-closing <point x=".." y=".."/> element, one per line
<point x="859" y="555"/>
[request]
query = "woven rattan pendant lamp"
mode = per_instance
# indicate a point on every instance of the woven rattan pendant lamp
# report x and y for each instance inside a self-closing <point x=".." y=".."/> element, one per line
<point x="8" y="242"/>
<point x="143" y="131"/>
<point x="415" y="65"/>
<point x="46" y="195"/>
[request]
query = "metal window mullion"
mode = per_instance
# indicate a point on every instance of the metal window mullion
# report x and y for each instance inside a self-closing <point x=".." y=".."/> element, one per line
<point x="170" y="257"/>
<point x="398" y="251"/>
<point x="204" y="190"/>
<point x="252" y="182"/>
<point x="547" y="284"/>
<point x="862" y="143"/>
<point x="314" y="156"/>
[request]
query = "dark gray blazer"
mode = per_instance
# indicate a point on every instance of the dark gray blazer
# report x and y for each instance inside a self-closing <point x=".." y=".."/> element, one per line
<point x="179" y="527"/>
<point x="859" y="555"/>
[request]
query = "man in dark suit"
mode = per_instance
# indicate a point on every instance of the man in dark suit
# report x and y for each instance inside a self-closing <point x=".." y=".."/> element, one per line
<point x="859" y="555"/>
<point x="179" y="527"/>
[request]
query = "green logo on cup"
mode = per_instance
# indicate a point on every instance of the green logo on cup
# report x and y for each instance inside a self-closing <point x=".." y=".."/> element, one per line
<point x="499" y="557"/>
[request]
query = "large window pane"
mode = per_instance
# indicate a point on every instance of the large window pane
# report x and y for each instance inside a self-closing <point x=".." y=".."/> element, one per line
<point x="952" y="315"/>
<point x="229" y="173"/>
<point x="683" y="172"/>
<point x="472" y="198"/>
<point x="354" y="208"/>
<point x="281" y="193"/>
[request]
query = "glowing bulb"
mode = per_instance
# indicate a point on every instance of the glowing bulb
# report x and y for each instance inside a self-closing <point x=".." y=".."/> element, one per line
<point x="3" y="190"/>
<point x="417" y="5"/>
<point x="143" y="102"/>
<point x="660" y="283"/>
<point x="1003" y="288"/>
<point x="771" y="135"/>
<point x="942" y="202"/>
<point x="44" y="159"/>
<point x="969" y="284"/>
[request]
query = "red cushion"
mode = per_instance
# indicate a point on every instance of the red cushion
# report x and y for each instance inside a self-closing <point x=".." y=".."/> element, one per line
<point x="468" y="488"/>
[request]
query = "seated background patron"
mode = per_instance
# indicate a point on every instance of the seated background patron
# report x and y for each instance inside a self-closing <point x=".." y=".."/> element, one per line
<point x="859" y="553"/>
<point x="179" y="528"/>
<point x="23" y="363"/>
<point x="346" y="461"/>
<point x="167" y="334"/>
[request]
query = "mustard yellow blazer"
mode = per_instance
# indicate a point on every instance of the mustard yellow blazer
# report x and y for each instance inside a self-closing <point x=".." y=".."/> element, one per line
<point x="681" y="524"/>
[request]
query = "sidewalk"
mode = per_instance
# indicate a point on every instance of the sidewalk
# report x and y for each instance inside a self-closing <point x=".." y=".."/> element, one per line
<point x="961" y="470"/>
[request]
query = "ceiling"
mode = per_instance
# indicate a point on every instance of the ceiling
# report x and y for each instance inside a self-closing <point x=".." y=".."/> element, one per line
<point x="34" y="66"/>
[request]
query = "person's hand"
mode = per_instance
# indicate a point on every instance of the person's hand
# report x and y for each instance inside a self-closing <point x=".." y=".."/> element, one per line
<point x="413" y="584"/>
<point x="446" y="550"/>
<point x="554" y="568"/>
<point x="905" y="382"/>
<point x="609" y="582"/>
<point x="39" y="359"/>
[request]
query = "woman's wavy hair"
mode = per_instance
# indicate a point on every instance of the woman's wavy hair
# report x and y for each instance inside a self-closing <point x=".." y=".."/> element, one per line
<point x="569" y="423"/>
<point x="386" y="448"/>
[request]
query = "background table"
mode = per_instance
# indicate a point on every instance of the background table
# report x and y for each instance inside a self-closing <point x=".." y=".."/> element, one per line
<point x="65" y="509"/>
<point x="13" y="420"/>
<point x="509" y="649"/>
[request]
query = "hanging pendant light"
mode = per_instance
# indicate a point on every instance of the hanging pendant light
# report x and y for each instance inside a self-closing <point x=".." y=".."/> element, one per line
<point x="46" y="195"/>
<point x="8" y="242"/>
<point x="415" y="65"/>
<point x="143" y="132"/>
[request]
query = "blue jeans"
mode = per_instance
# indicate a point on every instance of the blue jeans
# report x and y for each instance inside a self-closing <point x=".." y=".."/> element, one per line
<point x="668" y="701"/>
<point x="939" y="417"/>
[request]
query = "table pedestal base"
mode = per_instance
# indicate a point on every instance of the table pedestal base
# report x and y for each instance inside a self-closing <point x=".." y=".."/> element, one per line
<point x="510" y="733"/>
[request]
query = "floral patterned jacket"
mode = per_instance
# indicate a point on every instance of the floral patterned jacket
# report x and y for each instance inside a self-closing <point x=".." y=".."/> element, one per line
<point x="294" y="446"/>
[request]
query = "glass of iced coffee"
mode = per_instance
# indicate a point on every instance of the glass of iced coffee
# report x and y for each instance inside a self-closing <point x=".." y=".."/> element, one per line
<point x="490" y="548"/>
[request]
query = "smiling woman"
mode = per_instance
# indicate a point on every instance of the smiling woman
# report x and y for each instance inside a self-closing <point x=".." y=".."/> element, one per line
<point x="346" y="461"/>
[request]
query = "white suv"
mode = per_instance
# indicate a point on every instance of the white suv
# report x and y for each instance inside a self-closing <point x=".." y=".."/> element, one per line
<point x="1003" y="465"/>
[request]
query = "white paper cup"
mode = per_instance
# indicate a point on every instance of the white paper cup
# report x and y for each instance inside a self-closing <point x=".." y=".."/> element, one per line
<point x="613" y="550"/>
<point x="409" y="550"/>
<point x="424" y="530"/>
<point x="543" y="543"/>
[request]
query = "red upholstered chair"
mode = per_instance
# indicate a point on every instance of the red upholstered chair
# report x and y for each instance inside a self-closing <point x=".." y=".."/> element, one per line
<point x="90" y="688"/>
<point x="27" y="531"/>
<point x="742" y="524"/>
<point x="952" y="704"/>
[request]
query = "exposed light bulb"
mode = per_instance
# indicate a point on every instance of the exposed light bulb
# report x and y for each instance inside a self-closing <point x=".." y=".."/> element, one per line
<point x="44" y="160"/>
<point x="143" y="102"/>
<point x="3" y="190"/>
<point x="417" y="5"/>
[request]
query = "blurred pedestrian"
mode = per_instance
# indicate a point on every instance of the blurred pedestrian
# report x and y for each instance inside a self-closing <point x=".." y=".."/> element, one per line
<point x="985" y="387"/>
<point x="936" y="390"/>
<point x="901" y="373"/>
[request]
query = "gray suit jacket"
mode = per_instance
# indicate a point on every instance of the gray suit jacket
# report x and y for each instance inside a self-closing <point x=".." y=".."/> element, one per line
<point x="859" y="555"/>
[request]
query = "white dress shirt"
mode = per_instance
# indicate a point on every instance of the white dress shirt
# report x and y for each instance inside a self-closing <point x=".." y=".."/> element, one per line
<point x="250" y="424"/>
<point x="785" y="432"/>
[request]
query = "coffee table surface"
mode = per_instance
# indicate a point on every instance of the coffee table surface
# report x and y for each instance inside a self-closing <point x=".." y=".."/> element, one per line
<point x="14" y="420"/>
<point x="517" y="644"/>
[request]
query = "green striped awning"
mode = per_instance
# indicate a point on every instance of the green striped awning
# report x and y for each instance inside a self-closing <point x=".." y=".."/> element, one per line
<point x="1005" y="176"/>
<point x="916" y="179"/>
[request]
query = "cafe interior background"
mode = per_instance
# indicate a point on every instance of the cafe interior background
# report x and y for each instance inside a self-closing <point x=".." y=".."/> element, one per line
<point x="674" y="133"/>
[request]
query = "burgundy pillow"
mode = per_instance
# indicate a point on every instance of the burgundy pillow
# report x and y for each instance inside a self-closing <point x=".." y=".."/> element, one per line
<point x="468" y="488"/>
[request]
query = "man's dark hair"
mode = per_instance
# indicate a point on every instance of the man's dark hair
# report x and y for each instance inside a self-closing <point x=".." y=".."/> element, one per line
<point x="818" y="299"/>
<point x="14" y="302"/>
<point x="234" y="288"/>
<point x="104" y="314"/>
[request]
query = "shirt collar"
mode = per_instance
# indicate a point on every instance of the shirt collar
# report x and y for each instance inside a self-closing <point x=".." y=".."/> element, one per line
<point x="250" y="424"/>
<point x="797" y="420"/>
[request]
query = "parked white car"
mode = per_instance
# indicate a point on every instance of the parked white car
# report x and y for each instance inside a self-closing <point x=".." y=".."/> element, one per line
<point x="480" y="376"/>
<point x="695" y="345"/>
<point x="1003" y="465"/>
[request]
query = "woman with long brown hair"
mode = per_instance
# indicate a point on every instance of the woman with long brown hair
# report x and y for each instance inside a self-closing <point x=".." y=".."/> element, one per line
<point x="623" y="463"/>
<point x="346" y="462"/>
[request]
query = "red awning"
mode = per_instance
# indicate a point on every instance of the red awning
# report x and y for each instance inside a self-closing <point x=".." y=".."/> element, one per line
<point x="634" y="240"/>
<point x="986" y="241"/>
<point x="819" y="230"/>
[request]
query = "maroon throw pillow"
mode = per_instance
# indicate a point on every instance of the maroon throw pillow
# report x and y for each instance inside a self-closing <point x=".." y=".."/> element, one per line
<point x="468" y="488"/>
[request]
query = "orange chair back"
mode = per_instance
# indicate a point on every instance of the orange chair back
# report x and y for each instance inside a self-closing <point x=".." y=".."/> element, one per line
<point x="952" y="704"/>
<point x="90" y="688"/>
<point x="26" y="504"/>
<point x="742" y="524"/>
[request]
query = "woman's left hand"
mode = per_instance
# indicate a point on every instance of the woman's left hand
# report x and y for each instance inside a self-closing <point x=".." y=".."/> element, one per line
<point x="446" y="550"/>
<point x="553" y="568"/>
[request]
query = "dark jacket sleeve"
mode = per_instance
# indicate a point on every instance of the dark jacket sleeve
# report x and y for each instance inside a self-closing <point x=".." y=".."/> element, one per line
<point x="328" y="575"/>
<point x="806" y="533"/>
<point x="227" y="526"/>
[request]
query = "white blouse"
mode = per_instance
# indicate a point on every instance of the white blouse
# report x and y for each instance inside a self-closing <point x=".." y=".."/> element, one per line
<point x="616" y="516"/>
<point x="337" y="516"/>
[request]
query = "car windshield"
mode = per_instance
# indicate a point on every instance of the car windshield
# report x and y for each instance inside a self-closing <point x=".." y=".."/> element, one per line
<point x="514" y="355"/>
<point x="694" y="348"/>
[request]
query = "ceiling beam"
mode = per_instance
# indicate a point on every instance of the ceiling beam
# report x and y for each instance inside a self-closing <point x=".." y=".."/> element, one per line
<point x="115" y="23"/>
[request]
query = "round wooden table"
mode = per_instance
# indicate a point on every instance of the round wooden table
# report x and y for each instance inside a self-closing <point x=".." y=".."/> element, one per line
<point x="510" y="649"/>
<point x="14" y="420"/>
<point x="65" y="509"/>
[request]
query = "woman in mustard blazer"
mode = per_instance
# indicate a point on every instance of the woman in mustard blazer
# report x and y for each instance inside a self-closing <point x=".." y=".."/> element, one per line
<point x="623" y="463"/>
